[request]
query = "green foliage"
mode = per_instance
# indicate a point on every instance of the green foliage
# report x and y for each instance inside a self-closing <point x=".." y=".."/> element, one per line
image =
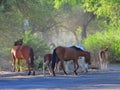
<point x="59" y="3"/>
<point x="99" y="41"/>
<point x="109" y="9"/>
<point x="36" y="41"/>
<point x="41" y="16"/>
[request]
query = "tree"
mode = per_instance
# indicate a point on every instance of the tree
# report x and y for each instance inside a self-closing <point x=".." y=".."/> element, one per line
<point x="39" y="13"/>
<point x="87" y="16"/>
<point x="108" y="9"/>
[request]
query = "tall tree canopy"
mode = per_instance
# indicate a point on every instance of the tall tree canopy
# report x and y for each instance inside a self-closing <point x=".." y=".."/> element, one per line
<point x="87" y="16"/>
<point x="109" y="9"/>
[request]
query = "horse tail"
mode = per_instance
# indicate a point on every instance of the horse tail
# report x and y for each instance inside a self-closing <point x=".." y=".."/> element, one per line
<point x="53" y="59"/>
<point x="32" y="57"/>
<point x="44" y="58"/>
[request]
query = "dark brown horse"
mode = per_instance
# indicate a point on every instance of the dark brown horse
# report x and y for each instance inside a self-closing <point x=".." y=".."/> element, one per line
<point x="23" y="52"/>
<point x="69" y="53"/>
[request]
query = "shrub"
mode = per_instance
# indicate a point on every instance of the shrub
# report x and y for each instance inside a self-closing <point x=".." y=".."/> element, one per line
<point x="36" y="41"/>
<point x="98" y="41"/>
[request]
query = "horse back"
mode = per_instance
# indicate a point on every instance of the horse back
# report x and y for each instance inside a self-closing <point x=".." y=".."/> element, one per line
<point x="27" y="51"/>
<point x="22" y="51"/>
<point x="66" y="53"/>
<point x="48" y="57"/>
<point x="16" y="52"/>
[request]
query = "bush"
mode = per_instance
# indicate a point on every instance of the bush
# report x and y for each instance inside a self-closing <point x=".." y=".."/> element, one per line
<point x="36" y="41"/>
<point x="98" y="41"/>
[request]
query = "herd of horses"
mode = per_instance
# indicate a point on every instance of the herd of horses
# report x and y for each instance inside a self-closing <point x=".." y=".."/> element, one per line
<point x="60" y="55"/>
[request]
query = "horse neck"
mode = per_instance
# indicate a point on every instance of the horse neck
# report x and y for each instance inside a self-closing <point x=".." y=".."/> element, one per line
<point x="106" y="49"/>
<point x="83" y="53"/>
<point x="86" y="55"/>
<point x="103" y="53"/>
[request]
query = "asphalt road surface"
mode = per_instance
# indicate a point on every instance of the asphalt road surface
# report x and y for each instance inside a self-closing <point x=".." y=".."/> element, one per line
<point x="93" y="80"/>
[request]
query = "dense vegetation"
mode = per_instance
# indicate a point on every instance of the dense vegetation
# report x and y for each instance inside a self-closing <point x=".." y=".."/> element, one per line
<point x="43" y="24"/>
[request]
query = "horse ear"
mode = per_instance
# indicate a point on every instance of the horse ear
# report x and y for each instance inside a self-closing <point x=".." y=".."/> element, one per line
<point x="107" y="46"/>
<point x="21" y="41"/>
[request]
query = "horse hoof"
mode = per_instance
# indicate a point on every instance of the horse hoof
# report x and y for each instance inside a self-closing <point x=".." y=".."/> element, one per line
<point x="75" y="74"/>
<point x="53" y="75"/>
<point x="65" y="74"/>
<point x="29" y="73"/>
<point x="33" y="73"/>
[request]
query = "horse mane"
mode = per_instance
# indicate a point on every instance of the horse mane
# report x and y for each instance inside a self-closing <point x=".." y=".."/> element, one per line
<point x="79" y="49"/>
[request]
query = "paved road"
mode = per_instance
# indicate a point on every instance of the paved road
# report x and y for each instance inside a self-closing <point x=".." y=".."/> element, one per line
<point x="91" y="80"/>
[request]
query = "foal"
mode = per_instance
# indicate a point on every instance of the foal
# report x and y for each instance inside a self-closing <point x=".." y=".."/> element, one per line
<point x="47" y="62"/>
<point x="103" y="58"/>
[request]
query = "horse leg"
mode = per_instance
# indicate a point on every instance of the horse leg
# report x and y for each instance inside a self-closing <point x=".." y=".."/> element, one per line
<point x="57" y="66"/>
<point x="66" y="66"/>
<point x="14" y="65"/>
<point x="86" y="67"/>
<point x="33" y="70"/>
<point x="14" y="62"/>
<point x="75" y="69"/>
<point x="18" y="62"/>
<point x="62" y="64"/>
<point x="29" y="68"/>
<point x="44" y="64"/>
<point x="53" y="71"/>
<point x="49" y="68"/>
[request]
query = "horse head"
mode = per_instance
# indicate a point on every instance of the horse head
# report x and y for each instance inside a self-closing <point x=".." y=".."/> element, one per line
<point x="18" y="42"/>
<point x="88" y="57"/>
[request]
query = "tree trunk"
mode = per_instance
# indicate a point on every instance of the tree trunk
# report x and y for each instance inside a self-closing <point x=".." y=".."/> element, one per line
<point x="76" y="37"/>
<point x="87" y="18"/>
<point x="84" y="34"/>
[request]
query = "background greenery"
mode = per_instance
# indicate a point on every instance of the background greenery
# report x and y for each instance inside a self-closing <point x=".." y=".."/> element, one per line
<point x="93" y="24"/>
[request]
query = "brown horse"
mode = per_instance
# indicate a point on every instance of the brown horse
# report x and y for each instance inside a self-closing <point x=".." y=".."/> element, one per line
<point x="103" y="58"/>
<point x="69" y="53"/>
<point x="22" y="52"/>
<point x="47" y="62"/>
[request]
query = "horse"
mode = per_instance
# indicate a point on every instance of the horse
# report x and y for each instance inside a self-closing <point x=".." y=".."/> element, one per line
<point x="69" y="53"/>
<point x="22" y="52"/>
<point x="103" y="57"/>
<point x="47" y="62"/>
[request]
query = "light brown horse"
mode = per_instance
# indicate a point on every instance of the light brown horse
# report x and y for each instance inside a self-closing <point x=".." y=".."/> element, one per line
<point x="23" y="52"/>
<point x="103" y="58"/>
<point x="69" y="53"/>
